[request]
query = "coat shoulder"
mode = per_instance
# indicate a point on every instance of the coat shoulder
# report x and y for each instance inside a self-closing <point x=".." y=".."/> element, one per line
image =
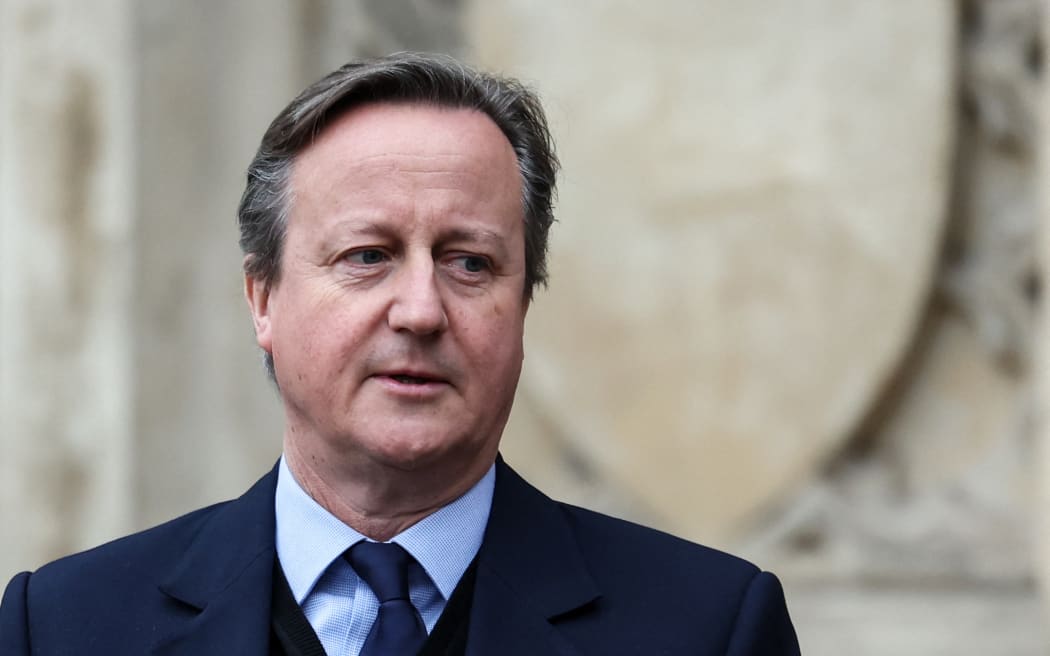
<point x="135" y="555"/>
<point x="122" y="596"/>
<point x="102" y="596"/>
<point x="697" y="599"/>
<point x="140" y="558"/>
<point x="610" y="542"/>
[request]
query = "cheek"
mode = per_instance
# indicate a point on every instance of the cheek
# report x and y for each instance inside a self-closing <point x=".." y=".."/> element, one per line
<point x="333" y="341"/>
<point x="307" y="336"/>
<point x="497" y="338"/>
<point x="312" y="313"/>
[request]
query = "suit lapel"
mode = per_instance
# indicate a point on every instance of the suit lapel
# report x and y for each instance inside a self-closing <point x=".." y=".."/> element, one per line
<point x="530" y="572"/>
<point x="223" y="584"/>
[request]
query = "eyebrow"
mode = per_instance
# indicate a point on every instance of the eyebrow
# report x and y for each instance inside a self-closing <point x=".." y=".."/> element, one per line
<point x="364" y="228"/>
<point x="490" y="238"/>
<point x="474" y="235"/>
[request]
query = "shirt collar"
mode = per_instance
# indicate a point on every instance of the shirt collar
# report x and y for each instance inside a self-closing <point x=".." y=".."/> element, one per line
<point x="309" y="538"/>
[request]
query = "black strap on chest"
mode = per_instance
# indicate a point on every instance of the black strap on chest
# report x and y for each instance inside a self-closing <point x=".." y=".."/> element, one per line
<point x="449" y="637"/>
<point x="290" y="631"/>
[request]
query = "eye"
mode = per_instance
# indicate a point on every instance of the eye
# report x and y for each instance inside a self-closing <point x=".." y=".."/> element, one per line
<point x="472" y="263"/>
<point x="367" y="256"/>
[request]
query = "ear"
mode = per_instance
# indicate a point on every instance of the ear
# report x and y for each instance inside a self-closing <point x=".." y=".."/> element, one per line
<point x="257" y="294"/>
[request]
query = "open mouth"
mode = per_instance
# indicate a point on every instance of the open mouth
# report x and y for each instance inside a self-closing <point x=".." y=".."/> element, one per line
<point x="415" y="385"/>
<point x="411" y="380"/>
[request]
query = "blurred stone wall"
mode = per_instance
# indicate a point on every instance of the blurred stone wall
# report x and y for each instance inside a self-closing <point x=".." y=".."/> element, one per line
<point x="67" y="221"/>
<point x="794" y="299"/>
<point x="920" y="531"/>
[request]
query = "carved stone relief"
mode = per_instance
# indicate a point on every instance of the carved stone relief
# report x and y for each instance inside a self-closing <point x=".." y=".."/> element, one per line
<point x="742" y="206"/>
<point x="937" y="482"/>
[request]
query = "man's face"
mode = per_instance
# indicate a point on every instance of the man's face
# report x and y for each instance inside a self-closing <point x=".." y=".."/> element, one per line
<point x="396" y="327"/>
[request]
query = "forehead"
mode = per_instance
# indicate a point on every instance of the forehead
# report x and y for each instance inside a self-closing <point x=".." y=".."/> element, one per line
<point x="403" y="135"/>
<point x="410" y="170"/>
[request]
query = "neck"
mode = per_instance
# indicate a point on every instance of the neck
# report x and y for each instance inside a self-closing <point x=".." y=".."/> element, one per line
<point x="376" y="500"/>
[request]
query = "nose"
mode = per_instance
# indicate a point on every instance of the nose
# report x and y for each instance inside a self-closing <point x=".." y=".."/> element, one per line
<point x="417" y="306"/>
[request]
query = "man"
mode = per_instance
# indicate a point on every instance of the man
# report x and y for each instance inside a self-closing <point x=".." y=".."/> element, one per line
<point x="394" y="227"/>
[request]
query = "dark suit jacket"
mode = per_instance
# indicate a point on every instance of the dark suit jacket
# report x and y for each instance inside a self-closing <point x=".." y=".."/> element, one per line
<point x="551" y="579"/>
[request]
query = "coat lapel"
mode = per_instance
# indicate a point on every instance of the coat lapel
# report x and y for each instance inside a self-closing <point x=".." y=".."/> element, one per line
<point x="223" y="584"/>
<point x="530" y="573"/>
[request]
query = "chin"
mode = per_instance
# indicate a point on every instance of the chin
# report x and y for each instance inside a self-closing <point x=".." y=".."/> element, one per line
<point x="414" y="451"/>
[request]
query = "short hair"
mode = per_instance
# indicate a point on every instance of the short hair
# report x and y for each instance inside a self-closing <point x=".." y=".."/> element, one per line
<point x="403" y="77"/>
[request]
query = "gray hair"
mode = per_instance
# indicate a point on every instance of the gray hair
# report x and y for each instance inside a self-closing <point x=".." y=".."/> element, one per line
<point x="403" y="77"/>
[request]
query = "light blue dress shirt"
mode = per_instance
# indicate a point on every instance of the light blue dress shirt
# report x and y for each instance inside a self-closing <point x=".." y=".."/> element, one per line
<point x="338" y="604"/>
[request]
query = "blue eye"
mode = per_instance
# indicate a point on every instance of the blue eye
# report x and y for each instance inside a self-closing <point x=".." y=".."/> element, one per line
<point x="367" y="256"/>
<point x="473" y="263"/>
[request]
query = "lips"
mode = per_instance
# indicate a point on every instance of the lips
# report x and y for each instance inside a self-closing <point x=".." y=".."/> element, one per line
<point x="412" y="385"/>
<point x="412" y="380"/>
<point x="411" y="376"/>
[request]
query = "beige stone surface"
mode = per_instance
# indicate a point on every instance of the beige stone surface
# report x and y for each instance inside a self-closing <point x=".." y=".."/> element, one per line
<point x="1042" y="356"/>
<point x="210" y="77"/>
<point x="932" y="621"/>
<point x="938" y="492"/>
<point x="918" y="537"/>
<point x="753" y="198"/>
<point x="66" y="223"/>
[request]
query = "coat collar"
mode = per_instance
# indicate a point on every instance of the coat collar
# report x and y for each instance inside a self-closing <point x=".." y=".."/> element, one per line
<point x="223" y="583"/>
<point x="530" y="573"/>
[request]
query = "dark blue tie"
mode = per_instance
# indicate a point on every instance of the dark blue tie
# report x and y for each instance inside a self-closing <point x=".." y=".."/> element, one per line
<point x="398" y="629"/>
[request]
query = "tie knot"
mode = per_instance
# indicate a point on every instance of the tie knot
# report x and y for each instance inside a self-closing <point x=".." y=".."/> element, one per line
<point x="383" y="566"/>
